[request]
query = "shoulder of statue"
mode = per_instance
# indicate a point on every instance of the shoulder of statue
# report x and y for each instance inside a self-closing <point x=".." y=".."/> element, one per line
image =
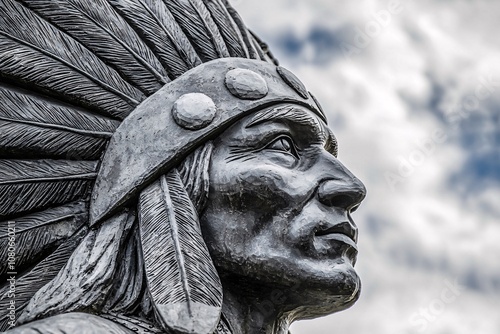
<point x="75" y="323"/>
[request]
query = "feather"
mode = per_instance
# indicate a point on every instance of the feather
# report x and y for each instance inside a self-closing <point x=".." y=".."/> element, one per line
<point x="98" y="26"/>
<point x="211" y="27"/>
<point x="37" y="54"/>
<point x="177" y="259"/>
<point x="204" y="37"/>
<point x="257" y="46"/>
<point x="228" y="29"/>
<point x="35" y="279"/>
<point x="38" y="127"/>
<point x="157" y="26"/>
<point x="243" y="30"/>
<point x="18" y="140"/>
<point x="267" y="55"/>
<point x="38" y="233"/>
<point x="35" y="184"/>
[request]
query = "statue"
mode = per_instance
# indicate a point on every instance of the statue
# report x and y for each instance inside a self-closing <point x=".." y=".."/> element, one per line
<point x="161" y="173"/>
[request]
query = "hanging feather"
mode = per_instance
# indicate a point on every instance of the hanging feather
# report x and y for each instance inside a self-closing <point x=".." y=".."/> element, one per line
<point x="177" y="259"/>
<point x="39" y="233"/>
<point x="37" y="54"/>
<point x="28" y="284"/>
<point x="96" y="25"/>
<point x="36" y="127"/>
<point x="196" y="23"/>
<point x="34" y="184"/>
<point x="157" y="26"/>
<point x="228" y="29"/>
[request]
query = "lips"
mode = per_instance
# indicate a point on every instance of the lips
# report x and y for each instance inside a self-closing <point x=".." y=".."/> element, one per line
<point x="339" y="238"/>
<point x="345" y="228"/>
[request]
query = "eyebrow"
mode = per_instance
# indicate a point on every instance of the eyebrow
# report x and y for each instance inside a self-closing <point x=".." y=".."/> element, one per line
<point x="301" y="117"/>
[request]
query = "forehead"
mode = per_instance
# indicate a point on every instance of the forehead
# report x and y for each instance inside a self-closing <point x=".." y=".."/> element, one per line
<point x="300" y="119"/>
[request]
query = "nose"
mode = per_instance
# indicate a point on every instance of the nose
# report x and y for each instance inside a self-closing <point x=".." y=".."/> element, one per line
<point x="343" y="191"/>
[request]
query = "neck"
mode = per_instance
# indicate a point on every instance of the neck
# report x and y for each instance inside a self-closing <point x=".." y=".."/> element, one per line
<point x="254" y="314"/>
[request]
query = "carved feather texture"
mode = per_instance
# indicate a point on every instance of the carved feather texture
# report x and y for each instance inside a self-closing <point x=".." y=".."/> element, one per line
<point x="228" y="28"/>
<point x="244" y="32"/>
<point x="182" y="280"/>
<point x="209" y="23"/>
<point x="38" y="233"/>
<point x="19" y="140"/>
<point x="98" y="26"/>
<point x="27" y="185"/>
<point x="156" y="25"/>
<point x="35" y="52"/>
<point x="257" y="47"/>
<point x="30" y="125"/>
<point x="197" y="24"/>
<point x="36" y="278"/>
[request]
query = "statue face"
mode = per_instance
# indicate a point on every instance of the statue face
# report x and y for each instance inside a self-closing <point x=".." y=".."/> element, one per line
<point x="279" y="210"/>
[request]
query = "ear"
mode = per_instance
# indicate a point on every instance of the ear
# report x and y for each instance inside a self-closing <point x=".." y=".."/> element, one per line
<point x="184" y="285"/>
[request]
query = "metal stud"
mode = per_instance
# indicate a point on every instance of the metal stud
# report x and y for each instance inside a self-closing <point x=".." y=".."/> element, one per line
<point x="246" y="84"/>
<point x="194" y="111"/>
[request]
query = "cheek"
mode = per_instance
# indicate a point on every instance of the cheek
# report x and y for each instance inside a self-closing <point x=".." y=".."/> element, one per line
<point x="259" y="188"/>
<point x="243" y="205"/>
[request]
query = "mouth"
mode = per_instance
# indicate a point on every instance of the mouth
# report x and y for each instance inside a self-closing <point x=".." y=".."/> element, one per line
<point x="340" y="238"/>
<point x="344" y="229"/>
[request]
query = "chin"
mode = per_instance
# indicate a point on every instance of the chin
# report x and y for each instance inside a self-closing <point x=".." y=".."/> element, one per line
<point x="327" y="291"/>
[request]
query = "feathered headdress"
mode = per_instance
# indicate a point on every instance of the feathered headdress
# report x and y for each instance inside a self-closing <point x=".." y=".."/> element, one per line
<point x="121" y="91"/>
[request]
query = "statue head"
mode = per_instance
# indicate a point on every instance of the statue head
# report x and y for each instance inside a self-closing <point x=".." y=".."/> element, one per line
<point x="277" y="203"/>
<point x="220" y="193"/>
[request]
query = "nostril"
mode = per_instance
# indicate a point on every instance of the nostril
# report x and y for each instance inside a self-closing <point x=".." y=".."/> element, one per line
<point x="344" y="201"/>
<point x="354" y="208"/>
<point x="342" y="195"/>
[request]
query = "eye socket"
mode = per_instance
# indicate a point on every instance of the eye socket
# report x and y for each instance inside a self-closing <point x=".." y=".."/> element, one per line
<point x="283" y="144"/>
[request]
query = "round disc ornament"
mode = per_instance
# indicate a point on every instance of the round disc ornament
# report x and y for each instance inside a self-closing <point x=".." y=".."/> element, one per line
<point x="194" y="111"/>
<point x="246" y="84"/>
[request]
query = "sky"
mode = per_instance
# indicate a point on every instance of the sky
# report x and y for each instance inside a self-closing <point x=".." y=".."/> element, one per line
<point x="412" y="92"/>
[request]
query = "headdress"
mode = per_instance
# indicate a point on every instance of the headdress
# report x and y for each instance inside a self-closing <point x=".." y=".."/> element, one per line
<point x="121" y="91"/>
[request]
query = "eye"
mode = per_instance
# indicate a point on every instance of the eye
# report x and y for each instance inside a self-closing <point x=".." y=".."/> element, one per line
<point x="283" y="144"/>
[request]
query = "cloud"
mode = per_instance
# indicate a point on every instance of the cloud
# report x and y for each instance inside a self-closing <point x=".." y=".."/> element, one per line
<point x="431" y="68"/>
